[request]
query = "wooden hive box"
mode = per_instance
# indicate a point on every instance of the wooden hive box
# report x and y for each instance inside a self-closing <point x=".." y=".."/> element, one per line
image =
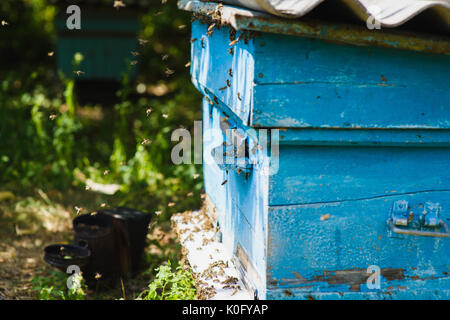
<point x="360" y="176"/>
<point x="106" y="38"/>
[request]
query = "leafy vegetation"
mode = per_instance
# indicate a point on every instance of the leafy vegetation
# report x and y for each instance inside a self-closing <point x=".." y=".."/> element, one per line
<point x="55" y="287"/>
<point x="51" y="144"/>
<point x="170" y="284"/>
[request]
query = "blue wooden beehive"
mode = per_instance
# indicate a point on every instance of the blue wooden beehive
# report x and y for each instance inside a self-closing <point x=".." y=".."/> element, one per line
<point x="360" y="178"/>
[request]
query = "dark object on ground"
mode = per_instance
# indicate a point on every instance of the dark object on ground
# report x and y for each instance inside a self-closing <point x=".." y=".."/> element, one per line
<point x="136" y="223"/>
<point x="62" y="256"/>
<point x="108" y="244"/>
<point x="98" y="232"/>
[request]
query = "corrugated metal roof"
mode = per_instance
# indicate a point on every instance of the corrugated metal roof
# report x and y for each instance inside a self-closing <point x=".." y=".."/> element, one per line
<point x="390" y="13"/>
<point x="316" y="27"/>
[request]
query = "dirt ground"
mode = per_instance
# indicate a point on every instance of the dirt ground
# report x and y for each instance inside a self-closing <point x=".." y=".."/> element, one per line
<point x="29" y="224"/>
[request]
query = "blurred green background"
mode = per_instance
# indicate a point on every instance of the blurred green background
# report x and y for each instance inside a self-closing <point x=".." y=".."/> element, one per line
<point x="84" y="140"/>
<point x="54" y="137"/>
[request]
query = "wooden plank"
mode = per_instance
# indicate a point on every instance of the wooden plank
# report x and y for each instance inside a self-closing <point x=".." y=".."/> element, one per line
<point x="240" y="204"/>
<point x="313" y="174"/>
<point x="313" y="84"/>
<point x="330" y="255"/>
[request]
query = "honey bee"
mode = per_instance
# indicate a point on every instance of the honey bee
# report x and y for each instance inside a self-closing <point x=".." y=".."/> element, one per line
<point x="93" y="213"/>
<point x="146" y="141"/>
<point x="148" y="111"/>
<point x="158" y="13"/>
<point x="190" y="194"/>
<point x="78" y="72"/>
<point x="97" y="276"/>
<point x="106" y="172"/>
<point x="118" y="4"/>
<point x="171" y="204"/>
<point x="164" y="57"/>
<point x="230" y="51"/>
<point x="239" y="96"/>
<point x="50" y="54"/>
<point x="228" y="83"/>
<point x="209" y="100"/>
<point x="193" y="39"/>
<point x="4" y="23"/>
<point x="232" y="43"/>
<point x="133" y="63"/>
<point x="78" y="210"/>
<point x="223" y="88"/>
<point x="325" y="217"/>
<point x="188" y="64"/>
<point x="210" y="29"/>
<point x="195" y="176"/>
<point x="169" y="72"/>
<point x="103" y="205"/>
<point x="181" y="27"/>
<point x="158" y="213"/>
<point x="135" y="53"/>
<point x="87" y="188"/>
<point x="224" y="182"/>
<point x="52" y="116"/>
<point x="61" y="248"/>
<point x="165" y="116"/>
<point x="142" y="41"/>
<point x="230" y="72"/>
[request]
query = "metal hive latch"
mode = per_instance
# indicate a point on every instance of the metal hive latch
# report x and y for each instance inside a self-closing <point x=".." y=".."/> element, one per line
<point x="403" y="220"/>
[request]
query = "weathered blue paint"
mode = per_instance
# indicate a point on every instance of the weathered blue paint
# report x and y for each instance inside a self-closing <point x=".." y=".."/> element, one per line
<point x="310" y="83"/>
<point x="360" y="128"/>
